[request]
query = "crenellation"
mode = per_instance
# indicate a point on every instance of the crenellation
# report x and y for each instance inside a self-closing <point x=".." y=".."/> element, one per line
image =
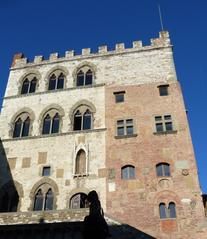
<point x="86" y="51"/>
<point x="162" y="41"/>
<point x="137" y="44"/>
<point x="102" y="49"/>
<point x="53" y="56"/>
<point x="120" y="47"/>
<point x="69" y="54"/>
<point x="38" y="59"/>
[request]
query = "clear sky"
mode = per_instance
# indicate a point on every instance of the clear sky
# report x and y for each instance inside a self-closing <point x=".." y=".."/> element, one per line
<point x="41" y="27"/>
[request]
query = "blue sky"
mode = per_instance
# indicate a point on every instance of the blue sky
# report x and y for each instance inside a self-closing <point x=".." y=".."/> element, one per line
<point x="41" y="27"/>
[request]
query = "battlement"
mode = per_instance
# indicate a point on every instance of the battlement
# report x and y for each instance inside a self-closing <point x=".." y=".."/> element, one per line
<point x="163" y="41"/>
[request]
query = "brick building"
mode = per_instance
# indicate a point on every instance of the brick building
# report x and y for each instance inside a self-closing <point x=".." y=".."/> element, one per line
<point x="113" y="121"/>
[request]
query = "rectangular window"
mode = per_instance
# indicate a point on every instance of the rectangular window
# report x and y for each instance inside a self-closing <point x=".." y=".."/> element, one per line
<point x="119" y="96"/>
<point x="46" y="171"/>
<point x="125" y="127"/>
<point x="163" y="90"/>
<point x="163" y="123"/>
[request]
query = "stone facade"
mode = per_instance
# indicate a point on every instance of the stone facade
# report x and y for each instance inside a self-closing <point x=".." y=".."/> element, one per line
<point x="137" y="73"/>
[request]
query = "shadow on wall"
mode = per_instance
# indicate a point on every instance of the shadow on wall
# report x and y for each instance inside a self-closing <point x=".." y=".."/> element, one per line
<point x="9" y="196"/>
<point x="71" y="230"/>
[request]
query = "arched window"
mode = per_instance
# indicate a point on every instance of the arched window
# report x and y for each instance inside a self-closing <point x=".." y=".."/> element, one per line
<point x="163" y="170"/>
<point x="128" y="172"/>
<point x="82" y="119"/>
<point x="29" y="85"/>
<point x="56" y="81"/>
<point x="49" y="200"/>
<point x="78" y="201"/>
<point x="44" y="198"/>
<point x="172" y="210"/>
<point x="162" y="211"/>
<point x="80" y="164"/>
<point x="9" y="201"/>
<point x="51" y="123"/>
<point x="167" y="212"/>
<point x="21" y="126"/>
<point x="84" y="76"/>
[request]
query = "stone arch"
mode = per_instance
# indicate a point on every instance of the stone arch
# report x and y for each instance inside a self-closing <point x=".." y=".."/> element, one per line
<point x="11" y="186"/>
<point x="92" y="66"/>
<point x="37" y="185"/>
<point x="31" y="114"/>
<point x="27" y="73"/>
<point x="74" y="192"/>
<point x="81" y="103"/>
<point x="54" y="107"/>
<point x="62" y="69"/>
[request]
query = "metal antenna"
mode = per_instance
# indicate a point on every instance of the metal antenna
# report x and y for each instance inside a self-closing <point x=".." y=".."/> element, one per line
<point x="160" y="15"/>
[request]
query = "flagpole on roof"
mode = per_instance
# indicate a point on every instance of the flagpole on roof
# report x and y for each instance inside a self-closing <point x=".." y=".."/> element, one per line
<point x="160" y="15"/>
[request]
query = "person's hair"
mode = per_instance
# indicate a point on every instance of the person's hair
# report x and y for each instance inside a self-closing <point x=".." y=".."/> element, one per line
<point x="92" y="196"/>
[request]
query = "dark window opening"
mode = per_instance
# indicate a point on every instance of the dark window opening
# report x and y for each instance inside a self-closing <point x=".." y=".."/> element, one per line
<point x="60" y="83"/>
<point x="17" y="128"/>
<point x="163" y="123"/>
<point x="49" y="200"/>
<point x="46" y="125"/>
<point x="38" y="204"/>
<point x="25" y="87"/>
<point x="55" y="124"/>
<point x="78" y="201"/>
<point x="172" y="210"/>
<point x="128" y="172"/>
<point x="26" y="125"/>
<point x="77" y="120"/>
<point x="87" y="120"/>
<point x="52" y="82"/>
<point x="46" y="171"/>
<point x="89" y="77"/>
<point x="162" y="211"/>
<point x="163" y="170"/>
<point x="80" y="78"/>
<point x="163" y="90"/>
<point x="33" y="85"/>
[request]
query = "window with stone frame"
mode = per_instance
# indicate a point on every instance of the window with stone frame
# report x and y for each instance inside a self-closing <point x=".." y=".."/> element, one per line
<point x="29" y="84"/>
<point x="84" y="76"/>
<point x="51" y="122"/>
<point x="82" y="118"/>
<point x="167" y="212"/>
<point x="163" y="123"/>
<point x="125" y="127"/>
<point x="78" y="201"/>
<point x="46" y="171"/>
<point x="163" y="170"/>
<point x="56" y="80"/>
<point x="119" y="96"/>
<point x="128" y="172"/>
<point x="43" y="198"/>
<point x="163" y="90"/>
<point x="9" y="201"/>
<point x="21" y="126"/>
<point x="80" y="162"/>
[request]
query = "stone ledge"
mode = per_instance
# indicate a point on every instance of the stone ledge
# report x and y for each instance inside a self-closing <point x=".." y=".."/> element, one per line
<point x="125" y="136"/>
<point x="54" y="91"/>
<point x="67" y="215"/>
<point x="55" y="135"/>
<point x="166" y="132"/>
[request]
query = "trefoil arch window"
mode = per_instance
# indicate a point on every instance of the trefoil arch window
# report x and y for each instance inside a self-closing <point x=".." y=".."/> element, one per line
<point x="44" y="198"/>
<point x="56" y="81"/>
<point x="167" y="212"/>
<point x="29" y="85"/>
<point x="128" y="172"/>
<point x="163" y="170"/>
<point x="82" y="119"/>
<point x="22" y="126"/>
<point x="85" y="76"/>
<point x="51" y="123"/>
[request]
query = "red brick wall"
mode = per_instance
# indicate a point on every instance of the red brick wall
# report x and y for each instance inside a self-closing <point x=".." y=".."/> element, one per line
<point x="136" y="201"/>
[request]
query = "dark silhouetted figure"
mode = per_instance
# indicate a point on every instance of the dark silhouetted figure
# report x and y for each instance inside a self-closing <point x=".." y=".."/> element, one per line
<point x="95" y="226"/>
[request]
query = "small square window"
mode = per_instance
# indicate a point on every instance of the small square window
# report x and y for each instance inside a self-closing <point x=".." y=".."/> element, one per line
<point x="163" y="89"/>
<point x="119" y="96"/>
<point x="46" y="171"/>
